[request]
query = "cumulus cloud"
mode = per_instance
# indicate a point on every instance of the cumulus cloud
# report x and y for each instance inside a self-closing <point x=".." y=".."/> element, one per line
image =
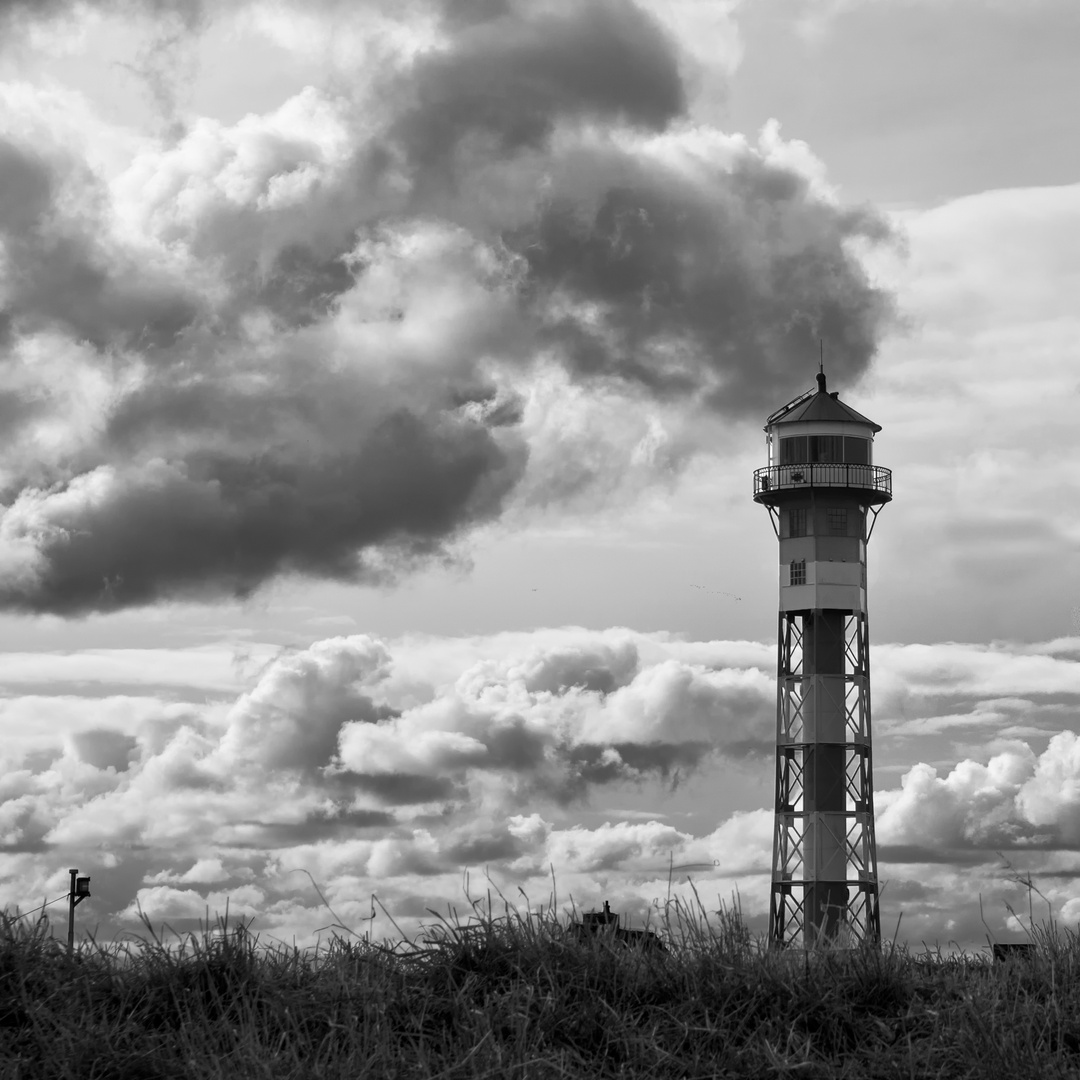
<point x="328" y="340"/>
<point x="292" y="717"/>
<point x="395" y="766"/>
<point x="1051" y="795"/>
<point x="164" y="903"/>
<point x="348" y="733"/>
<point x="556" y="726"/>
<point x="1016" y="799"/>
<point x="61" y="269"/>
<point x="360" y="761"/>
<point x="202" y="872"/>
<point x="105" y="749"/>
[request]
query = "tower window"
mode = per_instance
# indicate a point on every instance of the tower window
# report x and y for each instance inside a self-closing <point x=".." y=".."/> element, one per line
<point x="796" y="522"/>
<point x="856" y="450"/>
<point x="798" y="572"/>
<point x="827" y="448"/>
<point x="793" y="451"/>
<point x="837" y="521"/>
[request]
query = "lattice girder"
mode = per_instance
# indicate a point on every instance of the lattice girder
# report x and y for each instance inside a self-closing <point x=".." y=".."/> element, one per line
<point x="806" y="700"/>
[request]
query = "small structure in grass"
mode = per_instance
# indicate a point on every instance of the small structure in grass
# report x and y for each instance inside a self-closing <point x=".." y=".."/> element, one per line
<point x="606" y="923"/>
<point x="1007" y="950"/>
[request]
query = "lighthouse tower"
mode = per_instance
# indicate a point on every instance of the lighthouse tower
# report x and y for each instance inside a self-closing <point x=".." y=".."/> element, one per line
<point x="823" y="493"/>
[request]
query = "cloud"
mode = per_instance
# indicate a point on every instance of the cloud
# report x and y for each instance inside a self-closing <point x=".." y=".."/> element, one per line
<point x="339" y="737"/>
<point x="164" y="903"/>
<point x="1016" y="799"/>
<point x="989" y="280"/>
<point x="556" y="726"/>
<point x="203" y="871"/>
<point x="393" y="766"/>
<point x="919" y="673"/>
<point x="105" y="749"/>
<point x="360" y="760"/>
<point x="1051" y="796"/>
<point x="202" y="672"/>
<point x="62" y="272"/>
<point x="816" y="16"/>
<point x="24" y="14"/>
<point x="292" y="717"/>
<point x="332" y="340"/>
<point x="509" y="80"/>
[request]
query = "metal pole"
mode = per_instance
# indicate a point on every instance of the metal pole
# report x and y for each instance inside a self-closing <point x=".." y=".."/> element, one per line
<point x="71" y="912"/>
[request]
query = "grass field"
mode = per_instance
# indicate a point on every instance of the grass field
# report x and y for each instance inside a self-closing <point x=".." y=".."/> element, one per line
<point x="515" y="995"/>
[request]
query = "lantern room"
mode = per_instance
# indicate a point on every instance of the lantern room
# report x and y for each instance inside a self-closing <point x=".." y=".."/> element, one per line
<point x="816" y="441"/>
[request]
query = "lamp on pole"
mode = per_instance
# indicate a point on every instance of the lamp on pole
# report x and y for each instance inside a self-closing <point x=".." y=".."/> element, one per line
<point x="80" y="891"/>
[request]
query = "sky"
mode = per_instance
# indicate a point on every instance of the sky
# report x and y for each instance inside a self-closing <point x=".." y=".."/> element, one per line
<point x="381" y="389"/>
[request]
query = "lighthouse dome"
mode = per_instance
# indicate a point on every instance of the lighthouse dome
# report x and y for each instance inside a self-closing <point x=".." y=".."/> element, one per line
<point x="819" y="405"/>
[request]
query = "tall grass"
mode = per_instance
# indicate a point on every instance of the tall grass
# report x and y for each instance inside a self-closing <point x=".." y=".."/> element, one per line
<point x="515" y="994"/>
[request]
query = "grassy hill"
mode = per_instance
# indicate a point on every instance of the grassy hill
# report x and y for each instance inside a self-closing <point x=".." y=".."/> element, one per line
<point x="519" y="996"/>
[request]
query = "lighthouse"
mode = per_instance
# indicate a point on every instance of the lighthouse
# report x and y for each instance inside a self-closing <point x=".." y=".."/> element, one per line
<point x="823" y="492"/>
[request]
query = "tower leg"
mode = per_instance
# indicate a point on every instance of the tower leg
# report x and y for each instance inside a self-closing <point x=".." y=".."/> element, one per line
<point x="824" y="874"/>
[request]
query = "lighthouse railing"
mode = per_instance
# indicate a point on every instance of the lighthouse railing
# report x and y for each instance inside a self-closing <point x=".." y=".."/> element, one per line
<point x="830" y="475"/>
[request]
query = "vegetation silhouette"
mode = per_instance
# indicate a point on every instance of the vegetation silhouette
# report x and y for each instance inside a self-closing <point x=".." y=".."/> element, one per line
<point x="520" y="994"/>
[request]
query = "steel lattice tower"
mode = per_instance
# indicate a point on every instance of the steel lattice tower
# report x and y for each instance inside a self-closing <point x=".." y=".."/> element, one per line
<point x="823" y="494"/>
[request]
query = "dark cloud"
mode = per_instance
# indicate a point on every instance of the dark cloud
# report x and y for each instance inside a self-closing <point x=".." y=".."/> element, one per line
<point x="34" y="10"/>
<point x="601" y="669"/>
<point x="592" y="765"/>
<point x="25" y="832"/>
<point x="105" y="749"/>
<point x="315" y="360"/>
<point x="512" y="77"/>
<point x="40" y="760"/>
<point x="917" y="853"/>
<point x="59" y="273"/>
<point x="314" y="829"/>
<point x="407" y="789"/>
<point x="302" y="285"/>
<point x="664" y="758"/>
<point x="715" y="289"/>
<point x="483" y="849"/>
<point x="189" y="776"/>
<point x="217" y="525"/>
<point x="26" y="191"/>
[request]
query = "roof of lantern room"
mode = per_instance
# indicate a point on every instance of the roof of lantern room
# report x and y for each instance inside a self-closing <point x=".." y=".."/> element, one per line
<point x="817" y="406"/>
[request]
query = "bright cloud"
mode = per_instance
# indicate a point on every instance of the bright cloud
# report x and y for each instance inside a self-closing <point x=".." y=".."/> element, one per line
<point x="393" y="766"/>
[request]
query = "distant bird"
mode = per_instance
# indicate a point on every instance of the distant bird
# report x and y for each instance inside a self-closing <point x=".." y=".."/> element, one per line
<point x="716" y="592"/>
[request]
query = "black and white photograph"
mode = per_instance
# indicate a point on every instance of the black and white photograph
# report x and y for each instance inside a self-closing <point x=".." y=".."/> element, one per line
<point x="539" y="539"/>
